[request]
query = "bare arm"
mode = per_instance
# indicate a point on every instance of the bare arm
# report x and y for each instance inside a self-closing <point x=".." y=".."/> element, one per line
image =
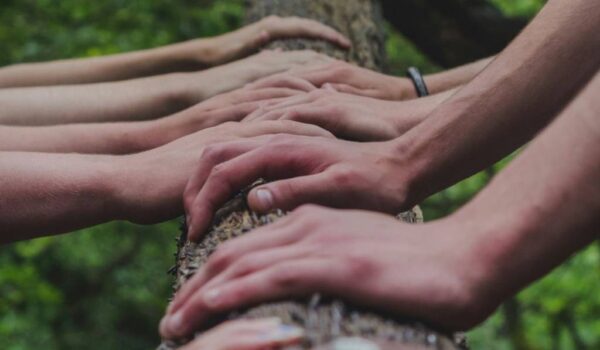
<point x="139" y="99"/>
<point x="63" y="192"/>
<point x="452" y="272"/>
<point x="186" y="56"/>
<point x="511" y="100"/>
<point x="518" y="94"/>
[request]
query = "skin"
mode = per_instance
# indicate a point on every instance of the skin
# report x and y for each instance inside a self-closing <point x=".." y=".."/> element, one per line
<point x="65" y="192"/>
<point x="474" y="128"/>
<point x="140" y="99"/>
<point x="257" y="334"/>
<point x="531" y="218"/>
<point x="350" y="117"/>
<point x="187" y="56"/>
<point x="348" y="78"/>
<point x="137" y="136"/>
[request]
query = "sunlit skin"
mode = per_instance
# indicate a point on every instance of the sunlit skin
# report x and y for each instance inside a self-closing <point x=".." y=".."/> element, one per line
<point x="452" y="273"/>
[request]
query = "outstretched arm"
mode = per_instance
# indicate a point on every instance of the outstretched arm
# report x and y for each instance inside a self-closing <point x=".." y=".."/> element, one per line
<point x="64" y="192"/>
<point x="453" y="272"/>
<point x="137" y="136"/>
<point x="509" y="102"/>
<point x="140" y="99"/>
<point x="187" y="56"/>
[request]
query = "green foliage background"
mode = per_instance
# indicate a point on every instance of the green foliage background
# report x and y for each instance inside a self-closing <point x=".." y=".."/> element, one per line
<point x="106" y="287"/>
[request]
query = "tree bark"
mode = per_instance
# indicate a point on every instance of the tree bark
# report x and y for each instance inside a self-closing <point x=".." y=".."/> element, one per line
<point x="453" y="32"/>
<point x="325" y="319"/>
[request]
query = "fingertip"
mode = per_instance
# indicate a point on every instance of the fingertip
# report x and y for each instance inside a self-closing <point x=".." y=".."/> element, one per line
<point x="329" y="87"/>
<point x="261" y="200"/>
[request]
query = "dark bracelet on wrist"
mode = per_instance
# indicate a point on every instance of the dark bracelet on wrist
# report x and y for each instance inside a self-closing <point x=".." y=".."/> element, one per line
<point x="416" y="77"/>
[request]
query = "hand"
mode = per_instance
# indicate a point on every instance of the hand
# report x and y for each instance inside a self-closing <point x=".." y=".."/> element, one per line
<point x="256" y="334"/>
<point x="325" y="171"/>
<point x="237" y="44"/>
<point x="211" y="82"/>
<point x="149" y="185"/>
<point x="350" y="79"/>
<point x="347" y="116"/>
<point x="423" y="271"/>
<point x="231" y="106"/>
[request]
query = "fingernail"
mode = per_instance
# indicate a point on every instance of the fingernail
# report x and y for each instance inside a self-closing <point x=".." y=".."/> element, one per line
<point x="174" y="323"/>
<point x="211" y="298"/>
<point x="283" y="333"/>
<point x="265" y="198"/>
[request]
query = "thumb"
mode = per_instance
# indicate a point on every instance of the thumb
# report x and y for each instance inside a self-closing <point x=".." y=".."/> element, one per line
<point x="290" y="193"/>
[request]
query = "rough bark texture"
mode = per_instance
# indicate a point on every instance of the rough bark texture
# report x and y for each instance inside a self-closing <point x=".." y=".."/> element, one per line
<point x="329" y="323"/>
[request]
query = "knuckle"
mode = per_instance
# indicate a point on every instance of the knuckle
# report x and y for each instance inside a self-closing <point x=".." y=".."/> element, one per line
<point x="210" y="153"/>
<point x="188" y="201"/>
<point x="286" y="277"/>
<point x="359" y="266"/>
<point x="221" y="257"/>
<point x="345" y="177"/>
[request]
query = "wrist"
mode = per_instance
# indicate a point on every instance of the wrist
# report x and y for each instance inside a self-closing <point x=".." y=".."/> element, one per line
<point x="409" y="170"/>
<point x="129" y="186"/>
<point x="498" y="259"/>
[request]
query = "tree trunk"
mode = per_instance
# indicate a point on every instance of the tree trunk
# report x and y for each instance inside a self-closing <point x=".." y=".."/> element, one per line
<point x="326" y="320"/>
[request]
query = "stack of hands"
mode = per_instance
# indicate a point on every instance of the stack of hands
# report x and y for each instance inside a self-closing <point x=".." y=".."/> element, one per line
<point x="327" y="133"/>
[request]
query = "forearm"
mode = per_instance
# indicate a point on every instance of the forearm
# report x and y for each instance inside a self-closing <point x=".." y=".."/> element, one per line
<point x="96" y="138"/>
<point x="162" y="60"/>
<point x="410" y="113"/>
<point x="544" y="206"/>
<point x="452" y="78"/>
<point x="44" y="194"/>
<point x="138" y="99"/>
<point x="509" y="102"/>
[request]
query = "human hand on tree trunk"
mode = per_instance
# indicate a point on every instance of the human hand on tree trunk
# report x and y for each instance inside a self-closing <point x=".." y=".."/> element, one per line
<point x="148" y="186"/>
<point x="424" y="271"/>
<point x="347" y="116"/>
<point x="234" y="45"/>
<point x="324" y="171"/>
<point x="348" y="78"/>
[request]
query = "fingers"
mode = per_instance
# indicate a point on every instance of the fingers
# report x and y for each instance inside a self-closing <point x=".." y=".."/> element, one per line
<point x="303" y="27"/>
<point x="287" y="279"/>
<point x="349" y="89"/>
<point x="222" y="181"/>
<point x="282" y="127"/>
<point x="256" y="334"/>
<point x="262" y="238"/>
<point x="282" y="80"/>
<point x="290" y="193"/>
